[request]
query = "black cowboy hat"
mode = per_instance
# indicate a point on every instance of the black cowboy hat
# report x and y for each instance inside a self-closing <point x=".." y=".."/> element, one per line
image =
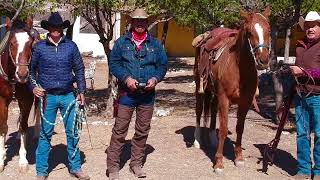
<point x="55" y="21"/>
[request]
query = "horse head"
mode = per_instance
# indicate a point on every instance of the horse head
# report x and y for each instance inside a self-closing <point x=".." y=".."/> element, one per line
<point x="257" y="32"/>
<point x="22" y="38"/>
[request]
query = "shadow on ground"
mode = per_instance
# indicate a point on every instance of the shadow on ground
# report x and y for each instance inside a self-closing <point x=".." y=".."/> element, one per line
<point x="209" y="150"/>
<point x="282" y="159"/>
<point x="57" y="156"/>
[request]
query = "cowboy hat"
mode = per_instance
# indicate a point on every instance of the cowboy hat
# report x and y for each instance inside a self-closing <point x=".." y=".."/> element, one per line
<point x="55" y="21"/>
<point x="312" y="16"/>
<point x="139" y="13"/>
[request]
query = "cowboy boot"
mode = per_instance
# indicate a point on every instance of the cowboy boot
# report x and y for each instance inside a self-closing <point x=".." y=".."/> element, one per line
<point x="138" y="171"/>
<point x="80" y="175"/>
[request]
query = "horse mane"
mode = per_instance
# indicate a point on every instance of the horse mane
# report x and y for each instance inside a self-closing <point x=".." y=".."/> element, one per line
<point x="18" y="25"/>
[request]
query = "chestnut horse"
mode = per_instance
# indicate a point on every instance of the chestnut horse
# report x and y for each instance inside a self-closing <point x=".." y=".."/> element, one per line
<point x="14" y="72"/>
<point x="233" y="79"/>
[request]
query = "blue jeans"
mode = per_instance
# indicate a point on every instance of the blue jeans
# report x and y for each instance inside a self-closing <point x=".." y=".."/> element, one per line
<point x="55" y="102"/>
<point x="307" y="120"/>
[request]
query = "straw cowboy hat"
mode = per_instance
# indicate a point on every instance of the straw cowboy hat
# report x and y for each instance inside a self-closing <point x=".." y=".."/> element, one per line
<point x="140" y="13"/>
<point x="55" y="21"/>
<point x="312" y="16"/>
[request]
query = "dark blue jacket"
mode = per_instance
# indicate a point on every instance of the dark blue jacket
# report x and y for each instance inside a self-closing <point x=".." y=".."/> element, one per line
<point x="55" y="68"/>
<point x="150" y="61"/>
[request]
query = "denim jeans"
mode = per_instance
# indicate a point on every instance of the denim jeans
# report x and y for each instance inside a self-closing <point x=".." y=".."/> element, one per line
<point x="55" y="102"/>
<point x="307" y="120"/>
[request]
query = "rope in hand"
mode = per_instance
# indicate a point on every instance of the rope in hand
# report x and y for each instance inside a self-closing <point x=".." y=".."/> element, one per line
<point x="79" y="118"/>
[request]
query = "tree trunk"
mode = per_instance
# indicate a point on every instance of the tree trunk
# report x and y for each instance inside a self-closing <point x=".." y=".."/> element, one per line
<point x="164" y="32"/>
<point x="287" y="46"/>
<point x="277" y="85"/>
<point x="112" y="88"/>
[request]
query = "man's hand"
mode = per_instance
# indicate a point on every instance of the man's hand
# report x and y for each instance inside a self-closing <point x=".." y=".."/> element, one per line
<point x="39" y="92"/>
<point x="131" y="83"/>
<point x="151" y="84"/>
<point x="81" y="99"/>
<point x="297" y="71"/>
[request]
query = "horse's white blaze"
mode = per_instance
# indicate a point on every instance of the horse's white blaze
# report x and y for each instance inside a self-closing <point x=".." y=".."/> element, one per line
<point x="23" y="152"/>
<point x="2" y="149"/>
<point x="22" y="38"/>
<point x="259" y="30"/>
<point x="197" y="137"/>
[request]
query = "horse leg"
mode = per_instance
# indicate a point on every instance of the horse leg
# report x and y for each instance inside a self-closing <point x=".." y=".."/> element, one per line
<point x="199" y="108"/>
<point x="3" y="130"/>
<point x="223" y="104"/>
<point x="241" y="115"/>
<point x="212" y="131"/>
<point x="25" y="104"/>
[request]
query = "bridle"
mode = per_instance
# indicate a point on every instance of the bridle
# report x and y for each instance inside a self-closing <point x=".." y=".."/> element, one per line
<point x="13" y="60"/>
<point x="254" y="49"/>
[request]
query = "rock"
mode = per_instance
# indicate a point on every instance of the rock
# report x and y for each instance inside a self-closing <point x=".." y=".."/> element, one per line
<point x="162" y="112"/>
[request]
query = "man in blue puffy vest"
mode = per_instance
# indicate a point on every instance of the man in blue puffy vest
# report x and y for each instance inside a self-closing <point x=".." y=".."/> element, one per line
<point x="139" y="62"/>
<point x="55" y="65"/>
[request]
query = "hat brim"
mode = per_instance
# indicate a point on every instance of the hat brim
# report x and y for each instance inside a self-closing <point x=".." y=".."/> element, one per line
<point x="150" y="19"/>
<point x="46" y="25"/>
<point x="302" y="21"/>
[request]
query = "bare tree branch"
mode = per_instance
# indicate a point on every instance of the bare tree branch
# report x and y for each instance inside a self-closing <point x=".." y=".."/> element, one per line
<point x="159" y="21"/>
<point x="16" y="14"/>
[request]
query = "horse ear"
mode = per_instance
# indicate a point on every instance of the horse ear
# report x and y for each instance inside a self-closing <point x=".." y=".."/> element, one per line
<point x="244" y="14"/>
<point x="267" y="11"/>
<point x="8" y="23"/>
<point x="29" y="22"/>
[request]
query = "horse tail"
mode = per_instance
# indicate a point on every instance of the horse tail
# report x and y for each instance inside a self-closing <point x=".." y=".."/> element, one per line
<point x="207" y="107"/>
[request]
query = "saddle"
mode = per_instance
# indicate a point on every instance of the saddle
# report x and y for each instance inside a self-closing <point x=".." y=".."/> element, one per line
<point x="211" y="44"/>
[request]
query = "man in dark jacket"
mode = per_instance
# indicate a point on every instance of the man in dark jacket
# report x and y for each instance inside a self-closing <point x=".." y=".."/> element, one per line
<point x="139" y="62"/>
<point x="307" y="104"/>
<point x="55" y="63"/>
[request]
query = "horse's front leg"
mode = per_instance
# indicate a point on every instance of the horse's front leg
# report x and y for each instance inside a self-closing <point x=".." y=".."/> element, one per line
<point x="25" y="100"/>
<point x="3" y="130"/>
<point x="223" y="106"/>
<point x="241" y="115"/>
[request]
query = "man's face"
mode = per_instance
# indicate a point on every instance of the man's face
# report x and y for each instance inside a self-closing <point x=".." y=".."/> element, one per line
<point x="312" y="30"/>
<point x="55" y="32"/>
<point x="139" y="25"/>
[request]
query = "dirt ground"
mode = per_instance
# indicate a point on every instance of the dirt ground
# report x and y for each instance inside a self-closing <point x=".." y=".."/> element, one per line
<point x="170" y="154"/>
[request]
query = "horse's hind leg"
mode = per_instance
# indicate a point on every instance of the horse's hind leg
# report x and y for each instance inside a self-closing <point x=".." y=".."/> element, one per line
<point x="199" y="108"/>
<point x="223" y="104"/>
<point x="241" y="115"/>
<point x="25" y="103"/>
<point x="3" y="130"/>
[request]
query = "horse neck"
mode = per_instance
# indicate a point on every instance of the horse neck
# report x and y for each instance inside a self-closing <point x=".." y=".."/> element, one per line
<point x="243" y="51"/>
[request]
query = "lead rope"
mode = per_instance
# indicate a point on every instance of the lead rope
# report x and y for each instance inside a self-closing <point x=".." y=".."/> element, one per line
<point x="79" y="118"/>
<point x="3" y="46"/>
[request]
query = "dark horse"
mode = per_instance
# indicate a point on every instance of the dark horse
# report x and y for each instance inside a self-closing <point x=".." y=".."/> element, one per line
<point x="14" y="72"/>
<point x="233" y="79"/>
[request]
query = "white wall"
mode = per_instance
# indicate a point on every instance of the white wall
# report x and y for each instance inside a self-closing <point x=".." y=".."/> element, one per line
<point x="87" y="42"/>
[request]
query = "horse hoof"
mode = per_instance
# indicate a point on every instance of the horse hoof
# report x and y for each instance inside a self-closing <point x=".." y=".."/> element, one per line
<point x="1" y="168"/>
<point x="196" y="144"/>
<point x="239" y="163"/>
<point x="23" y="168"/>
<point x="218" y="170"/>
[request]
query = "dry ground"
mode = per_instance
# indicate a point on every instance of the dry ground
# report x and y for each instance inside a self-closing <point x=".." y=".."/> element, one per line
<point x="170" y="154"/>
